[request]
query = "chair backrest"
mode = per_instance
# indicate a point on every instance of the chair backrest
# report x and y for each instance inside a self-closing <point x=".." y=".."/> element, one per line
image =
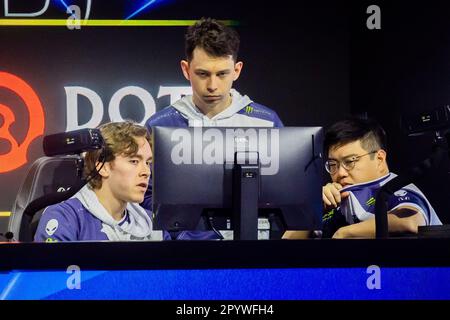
<point x="46" y="177"/>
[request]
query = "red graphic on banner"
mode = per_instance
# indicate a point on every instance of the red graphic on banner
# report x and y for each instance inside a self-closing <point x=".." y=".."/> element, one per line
<point x="17" y="156"/>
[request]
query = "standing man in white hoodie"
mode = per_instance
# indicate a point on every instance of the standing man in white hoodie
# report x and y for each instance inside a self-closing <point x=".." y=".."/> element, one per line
<point x="212" y="66"/>
<point x="107" y="208"/>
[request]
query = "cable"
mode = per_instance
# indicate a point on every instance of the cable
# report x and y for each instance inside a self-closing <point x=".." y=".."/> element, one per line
<point x="211" y="225"/>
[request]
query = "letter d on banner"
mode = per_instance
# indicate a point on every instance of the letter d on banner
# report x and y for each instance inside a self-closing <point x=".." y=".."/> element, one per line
<point x="27" y="14"/>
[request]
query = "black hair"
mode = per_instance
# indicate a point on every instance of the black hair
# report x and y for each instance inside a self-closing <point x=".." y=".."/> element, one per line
<point x="368" y="131"/>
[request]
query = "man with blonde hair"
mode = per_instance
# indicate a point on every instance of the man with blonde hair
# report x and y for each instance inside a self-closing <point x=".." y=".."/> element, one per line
<point x="107" y="208"/>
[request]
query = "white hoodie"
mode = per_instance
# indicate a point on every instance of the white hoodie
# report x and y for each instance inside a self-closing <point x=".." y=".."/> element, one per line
<point x="255" y="115"/>
<point x="136" y="224"/>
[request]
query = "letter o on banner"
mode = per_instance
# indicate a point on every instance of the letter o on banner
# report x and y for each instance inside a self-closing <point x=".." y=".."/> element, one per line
<point x="143" y="95"/>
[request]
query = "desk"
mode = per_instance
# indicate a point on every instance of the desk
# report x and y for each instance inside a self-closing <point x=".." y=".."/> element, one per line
<point x="228" y="270"/>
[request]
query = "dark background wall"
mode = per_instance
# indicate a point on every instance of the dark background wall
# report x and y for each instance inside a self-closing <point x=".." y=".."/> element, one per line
<point x="313" y="62"/>
<point x="403" y="70"/>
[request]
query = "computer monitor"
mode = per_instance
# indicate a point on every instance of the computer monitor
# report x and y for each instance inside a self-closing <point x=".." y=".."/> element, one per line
<point x="235" y="172"/>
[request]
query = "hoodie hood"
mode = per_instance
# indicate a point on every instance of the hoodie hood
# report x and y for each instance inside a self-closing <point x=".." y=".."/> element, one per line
<point x="196" y="118"/>
<point x="136" y="224"/>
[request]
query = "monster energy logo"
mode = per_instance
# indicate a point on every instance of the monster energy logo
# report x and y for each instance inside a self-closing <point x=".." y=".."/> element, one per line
<point x="248" y="109"/>
<point x="328" y="215"/>
<point x="371" y="201"/>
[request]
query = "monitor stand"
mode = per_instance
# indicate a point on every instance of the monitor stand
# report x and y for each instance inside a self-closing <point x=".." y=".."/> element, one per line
<point x="245" y="194"/>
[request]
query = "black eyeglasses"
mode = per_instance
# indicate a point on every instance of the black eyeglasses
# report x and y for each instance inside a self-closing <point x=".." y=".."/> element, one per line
<point x="332" y="166"/>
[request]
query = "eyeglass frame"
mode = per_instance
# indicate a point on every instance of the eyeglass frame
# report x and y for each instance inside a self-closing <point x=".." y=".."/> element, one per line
<point x="341" y="162"/>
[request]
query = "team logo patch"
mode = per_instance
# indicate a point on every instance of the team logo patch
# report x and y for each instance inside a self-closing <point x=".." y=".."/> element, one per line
<point x="17" y="154"/>
<point x="400" y="193"/>
<point x="51" y="226"/>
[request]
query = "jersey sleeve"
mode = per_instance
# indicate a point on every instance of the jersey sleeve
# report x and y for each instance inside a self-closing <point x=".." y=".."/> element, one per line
<point x="58" y="223"/>
<point x="408" y="198"/>
<point x="277" y="123"/>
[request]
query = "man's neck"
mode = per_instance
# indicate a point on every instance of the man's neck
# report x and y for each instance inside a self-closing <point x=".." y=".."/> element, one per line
<point x="115" y="207"/>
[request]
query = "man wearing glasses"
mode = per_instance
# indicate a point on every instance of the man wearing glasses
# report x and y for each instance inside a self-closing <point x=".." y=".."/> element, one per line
<point x="356" y="161"/>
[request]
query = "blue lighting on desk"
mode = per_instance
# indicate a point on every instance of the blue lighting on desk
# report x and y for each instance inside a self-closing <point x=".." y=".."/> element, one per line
<point x="404" y="283"/>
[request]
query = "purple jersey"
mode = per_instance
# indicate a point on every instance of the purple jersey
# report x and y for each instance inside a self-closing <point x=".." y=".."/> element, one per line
<point x="71" y="221"/>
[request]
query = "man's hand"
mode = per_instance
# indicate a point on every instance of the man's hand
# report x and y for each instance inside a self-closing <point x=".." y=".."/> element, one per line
<point x="332" y="196"/>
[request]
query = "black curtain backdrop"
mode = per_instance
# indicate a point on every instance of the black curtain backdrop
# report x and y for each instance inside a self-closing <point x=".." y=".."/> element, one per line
<point x="400" y="71"/>
<point x="314" y="62"/>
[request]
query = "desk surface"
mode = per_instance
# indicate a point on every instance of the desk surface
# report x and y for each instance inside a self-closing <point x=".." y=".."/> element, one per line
<point x="227" y="254"/>
<point x="228" y="270"/>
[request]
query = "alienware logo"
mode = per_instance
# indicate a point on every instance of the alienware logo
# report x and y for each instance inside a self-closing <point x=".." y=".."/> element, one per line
<point x="400" y="193"/>
<point x="62" y="189"/>
<point x="51" y="227"/>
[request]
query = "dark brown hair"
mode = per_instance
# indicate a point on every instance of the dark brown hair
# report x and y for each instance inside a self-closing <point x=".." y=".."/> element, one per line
<point x="214" y="37"/>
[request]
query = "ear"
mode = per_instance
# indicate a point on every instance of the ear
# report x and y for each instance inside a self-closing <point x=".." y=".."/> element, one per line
<point x="381" y="159"/>
<point x="105" y="171"/>
<point x="237" y="69"/>
<point x="381" y="155"/>
<point x="185" y="68"/>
